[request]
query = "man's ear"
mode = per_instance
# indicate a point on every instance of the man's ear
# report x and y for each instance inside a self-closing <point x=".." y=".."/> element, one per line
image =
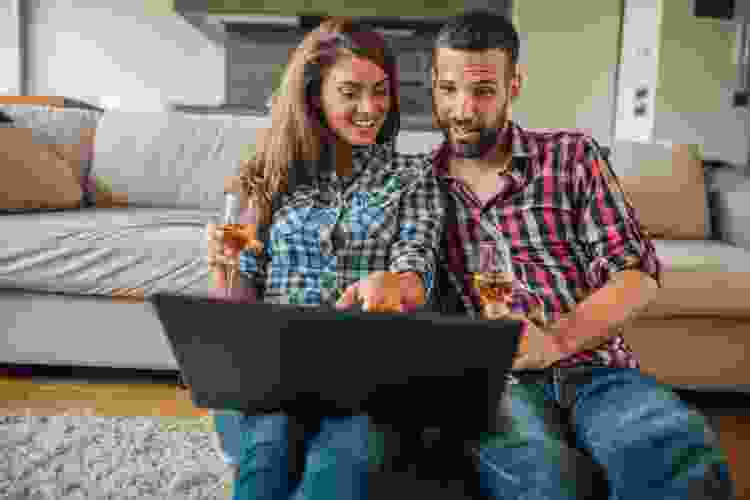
<point x="517" y="80"/>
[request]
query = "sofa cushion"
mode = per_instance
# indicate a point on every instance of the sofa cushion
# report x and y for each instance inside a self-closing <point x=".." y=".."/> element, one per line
<point x="656" y="192"/>
<point x="706" y="353"/>
<point x="702" y="293"/>
<point x="67" y="130"/>
<point x="113" y="252"/>
<point x="33" y="175"/>
<point x="702" y="278"/>
<point x="701" y="255"/>
<point x="730" y="199"/>
<point x="177" y="160"/>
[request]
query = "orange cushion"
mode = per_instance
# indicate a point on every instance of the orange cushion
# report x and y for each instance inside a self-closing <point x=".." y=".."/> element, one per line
<point x="675" y="206"/>
<point x="34" y="175"/>
<point x="52" y="101"/>
<point x="701" y="293"/>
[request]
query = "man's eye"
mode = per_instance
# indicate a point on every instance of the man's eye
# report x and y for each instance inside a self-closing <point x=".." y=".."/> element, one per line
<point x="347" y="92"/>
<point x="447" y="90"/>
<point x="485" y="92"/>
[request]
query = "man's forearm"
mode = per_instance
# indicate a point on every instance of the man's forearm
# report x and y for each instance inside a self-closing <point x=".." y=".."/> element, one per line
<point x="413" y="293"/>
<point x="600" y="316"/>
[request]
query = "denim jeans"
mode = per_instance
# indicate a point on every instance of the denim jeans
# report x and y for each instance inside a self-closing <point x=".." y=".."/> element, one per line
<point x="337" y="457"/>
<point x="648" y="442"/>
<point x="563" y="424"/>
<point x="228" y="424"/>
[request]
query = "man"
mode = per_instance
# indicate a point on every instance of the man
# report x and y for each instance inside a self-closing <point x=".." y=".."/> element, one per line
<point x="577" y="245"/>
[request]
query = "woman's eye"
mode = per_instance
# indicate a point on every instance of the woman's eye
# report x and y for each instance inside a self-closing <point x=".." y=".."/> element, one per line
<point x="446" y="90"/>
<point x="347" y="92"/>
<point x="485" y="92"/>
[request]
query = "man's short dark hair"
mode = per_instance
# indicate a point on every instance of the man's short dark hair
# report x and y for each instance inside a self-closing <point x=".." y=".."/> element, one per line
<point x="479" y="30"/>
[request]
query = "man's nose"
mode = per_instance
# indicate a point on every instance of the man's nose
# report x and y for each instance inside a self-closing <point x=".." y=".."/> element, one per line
<point x="466" y="108"/>
<point x="368" y="104"/>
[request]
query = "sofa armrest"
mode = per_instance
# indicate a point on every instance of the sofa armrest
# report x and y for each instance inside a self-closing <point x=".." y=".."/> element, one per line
<point x="733" y="210"/>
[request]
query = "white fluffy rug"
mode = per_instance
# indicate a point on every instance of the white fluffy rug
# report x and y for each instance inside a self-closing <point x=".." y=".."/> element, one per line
<point x="88" y="457"/>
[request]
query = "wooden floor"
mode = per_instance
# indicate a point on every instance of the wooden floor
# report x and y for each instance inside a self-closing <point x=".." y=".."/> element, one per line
<point x="29" y="396"/>
<point x="21" y="396"/>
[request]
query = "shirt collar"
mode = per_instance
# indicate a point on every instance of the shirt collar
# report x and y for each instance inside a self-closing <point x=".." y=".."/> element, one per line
<point x="521" y="147"/>
<point x="361" y="156"/>
<point x="368" y="151"/>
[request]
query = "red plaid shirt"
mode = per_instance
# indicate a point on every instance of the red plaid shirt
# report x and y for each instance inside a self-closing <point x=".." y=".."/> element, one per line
<point x="567" y="222"/>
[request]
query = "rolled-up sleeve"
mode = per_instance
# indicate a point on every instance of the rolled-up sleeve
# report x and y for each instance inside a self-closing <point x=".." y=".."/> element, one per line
<point x="420" y="227"/>
<point x="608" y="224"/>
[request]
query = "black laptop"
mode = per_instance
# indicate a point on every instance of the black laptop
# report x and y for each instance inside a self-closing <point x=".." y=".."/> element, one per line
<point x="261" y="358"/>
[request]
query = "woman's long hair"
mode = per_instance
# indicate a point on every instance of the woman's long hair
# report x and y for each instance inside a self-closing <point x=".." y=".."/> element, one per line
<point x="298" y="134"/>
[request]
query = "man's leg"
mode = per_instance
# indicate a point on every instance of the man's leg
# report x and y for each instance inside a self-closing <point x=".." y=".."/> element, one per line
<point x="530" y="459"/>
<point x="338" y="460"/>
<point x="650" y="442"/>
<point x="263" y="452"/>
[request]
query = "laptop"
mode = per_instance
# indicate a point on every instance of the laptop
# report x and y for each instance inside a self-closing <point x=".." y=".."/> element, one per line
<point x="261" y="358"/>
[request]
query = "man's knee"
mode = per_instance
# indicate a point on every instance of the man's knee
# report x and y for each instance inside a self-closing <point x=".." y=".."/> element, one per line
<point x="547" y="468"/>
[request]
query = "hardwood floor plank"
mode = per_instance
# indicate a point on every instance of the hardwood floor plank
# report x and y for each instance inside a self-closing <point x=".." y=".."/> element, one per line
<point x="106" y="399"/>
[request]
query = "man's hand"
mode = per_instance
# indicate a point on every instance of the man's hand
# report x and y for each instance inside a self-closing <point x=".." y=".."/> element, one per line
<point x="538" y="349"/>
<point x="385" y="292"/>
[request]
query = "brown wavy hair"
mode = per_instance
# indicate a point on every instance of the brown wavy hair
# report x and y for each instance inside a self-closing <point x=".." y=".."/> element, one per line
<point x="297" y="131"/>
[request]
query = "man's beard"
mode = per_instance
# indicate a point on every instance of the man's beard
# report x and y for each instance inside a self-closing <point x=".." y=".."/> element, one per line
<point x="488" y="139"/>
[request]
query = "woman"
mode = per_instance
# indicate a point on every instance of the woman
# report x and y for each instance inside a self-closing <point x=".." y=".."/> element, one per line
<point x="343" y="218"/>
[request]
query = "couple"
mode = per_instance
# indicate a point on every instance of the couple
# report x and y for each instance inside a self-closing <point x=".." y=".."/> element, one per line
<point x="347" y="219"/>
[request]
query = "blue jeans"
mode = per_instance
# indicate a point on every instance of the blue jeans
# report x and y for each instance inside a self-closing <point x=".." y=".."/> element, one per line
<point x="649" y="443"/>
<point x="337" y="457"/>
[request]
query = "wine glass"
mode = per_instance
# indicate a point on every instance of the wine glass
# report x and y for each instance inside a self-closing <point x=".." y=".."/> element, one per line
<point x="494" y="281"/>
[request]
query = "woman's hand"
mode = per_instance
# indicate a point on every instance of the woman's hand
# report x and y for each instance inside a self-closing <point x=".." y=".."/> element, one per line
<point x="222" y="255"/>
<point x="385" y="292"/>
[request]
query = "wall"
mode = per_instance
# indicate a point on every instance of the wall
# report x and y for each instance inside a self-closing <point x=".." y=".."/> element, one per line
<point x="10" y="55"/>
<point x="90" y="49"/>
<point x="696" y="78"/>
<point x="571" y="51"/>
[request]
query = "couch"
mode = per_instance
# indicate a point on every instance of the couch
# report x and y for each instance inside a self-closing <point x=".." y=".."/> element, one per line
<point x="72" y="281"/>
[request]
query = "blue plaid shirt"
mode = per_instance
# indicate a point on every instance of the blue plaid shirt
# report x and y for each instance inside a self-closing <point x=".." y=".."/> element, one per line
<point x="386" y="217"/>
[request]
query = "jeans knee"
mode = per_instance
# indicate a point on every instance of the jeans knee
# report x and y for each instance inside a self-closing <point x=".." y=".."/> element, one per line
<point x="538" y="469"/>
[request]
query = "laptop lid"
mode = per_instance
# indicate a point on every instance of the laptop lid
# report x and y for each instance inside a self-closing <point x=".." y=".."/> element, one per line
<point x="262" y="358"/>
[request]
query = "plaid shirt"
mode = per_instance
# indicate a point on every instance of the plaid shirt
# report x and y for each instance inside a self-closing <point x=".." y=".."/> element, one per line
<point x="566" y="221"/>
<point x="386" y="217"/>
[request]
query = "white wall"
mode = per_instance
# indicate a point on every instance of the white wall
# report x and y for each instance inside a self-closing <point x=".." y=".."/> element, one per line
<point x="89" y="49"/>
<point x="10" y="54"/>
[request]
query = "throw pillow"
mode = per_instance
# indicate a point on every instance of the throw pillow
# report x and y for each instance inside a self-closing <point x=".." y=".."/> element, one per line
<point x="674" y="206"/>
<point x="34" y="175"/>
<point x="100" y="194"/>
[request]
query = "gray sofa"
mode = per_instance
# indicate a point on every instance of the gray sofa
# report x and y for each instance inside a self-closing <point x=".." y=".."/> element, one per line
<point x="60" y="270"/>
